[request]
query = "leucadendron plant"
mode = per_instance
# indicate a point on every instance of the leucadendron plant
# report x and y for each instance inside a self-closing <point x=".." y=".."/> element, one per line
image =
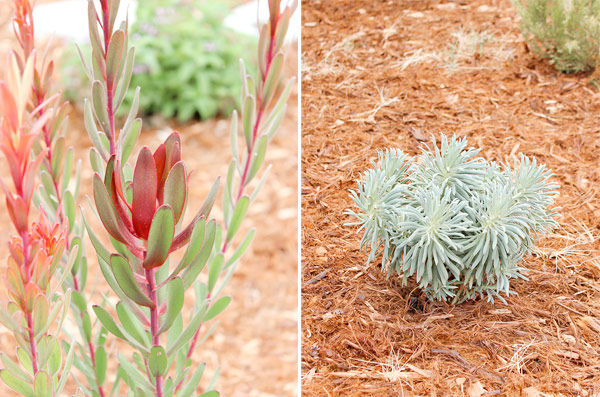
<point x="31" y="121"/>
<point x="458" y="224"/>
<point x="141" y="208"/>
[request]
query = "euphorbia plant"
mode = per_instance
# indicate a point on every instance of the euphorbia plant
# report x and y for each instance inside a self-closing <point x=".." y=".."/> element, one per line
<point x="457" y="223"/>
<point x="141" y="208"/>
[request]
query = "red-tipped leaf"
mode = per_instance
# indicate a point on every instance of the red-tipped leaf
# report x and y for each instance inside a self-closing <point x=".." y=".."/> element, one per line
<point x="143" y="205"/>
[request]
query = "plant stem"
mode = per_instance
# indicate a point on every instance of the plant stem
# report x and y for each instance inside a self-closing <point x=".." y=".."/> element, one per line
<point x="28" y="318"/>
<point x="109" y="84"/>
<point x="90" y="344"/>
<point x="154" y="322"/>
<point x="242" y="185"/>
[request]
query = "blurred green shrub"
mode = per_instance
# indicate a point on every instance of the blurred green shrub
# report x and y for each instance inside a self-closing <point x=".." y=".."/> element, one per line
<point x="186" y="60"/>
<point x="567" y="32"/>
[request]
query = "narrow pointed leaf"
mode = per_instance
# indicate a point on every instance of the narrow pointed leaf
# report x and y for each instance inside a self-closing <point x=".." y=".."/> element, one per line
<point x="126" y="280"/>
<point x="160" y="237"/>
<point x="175" y="297"/>
<point x="175" y="190"/>
<point x="238" y="216"/>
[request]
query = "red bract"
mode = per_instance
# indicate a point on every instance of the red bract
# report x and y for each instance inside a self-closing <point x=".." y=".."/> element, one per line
<point x="146" y="222"/>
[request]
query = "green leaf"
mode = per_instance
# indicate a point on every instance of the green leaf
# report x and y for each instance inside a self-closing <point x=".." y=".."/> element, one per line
<point x="58" y="157"/>
<point x="126" y="280"/>
<point x="248" y="118"/>
<point x="14" y="368"/>
<point x="126" y="79"/>
<point x="187" y="333"/>
<point x="192" y="271"/>
<point x="194" y="381"/>
<point x="216" y="308"/>
<point x="175" y="297"/>
<point x="215" y="271"/>
<point x="211" y="393"/>
<point x="66" y="370"/>
<point x="192" y="249"/>
<point x="100" y="249"/>
<point x="258" y="157"/>
<point x="132" y="325"/>
<point x="92" y="130"/>
<point x="41" y="385"/>
<point x="25" y="359"/>
<point x="130" y="137"/>
<point x="273" y="78"/>
<point x="175" y="190"/>
<point x="16" y="384"/>
<point x="157" y="361"/>
<point x="108" y="322"/>
<point x="160" y="237"/>
<point x="99" y="103"/>
<point x="69" y="208"/>
<point x="54" y="356"/>
<point x="114" y="55"/>
<point x="134" y="374"/>
<point x="101" y="362"/>
<point x="238" y="216"/>
<point x="234" y="135"/>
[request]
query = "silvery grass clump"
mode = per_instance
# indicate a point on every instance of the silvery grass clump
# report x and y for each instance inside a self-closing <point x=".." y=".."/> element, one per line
<point x="459" y="224"/>
<point x="567" y="32"/>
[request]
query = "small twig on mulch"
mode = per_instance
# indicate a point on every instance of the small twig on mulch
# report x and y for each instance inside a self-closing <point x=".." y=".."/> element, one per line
<point x="318" y="277"/>
<point x="468" y="366"/>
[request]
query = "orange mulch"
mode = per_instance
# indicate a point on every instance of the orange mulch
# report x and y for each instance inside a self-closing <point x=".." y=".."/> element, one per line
<point x="380" y="74"/>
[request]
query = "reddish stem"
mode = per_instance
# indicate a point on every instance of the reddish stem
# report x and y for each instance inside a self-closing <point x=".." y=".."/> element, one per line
<point x="109" y="84"/>
<point x="242" y="185"/>
<point x="28" y="317"/>
<point x="154" y="322"/>
<point x="90" y="345"/>
<point x="32" y="343"/>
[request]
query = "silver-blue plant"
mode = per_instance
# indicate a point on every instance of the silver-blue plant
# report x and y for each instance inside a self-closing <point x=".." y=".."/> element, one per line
<point x="459" y="224"/>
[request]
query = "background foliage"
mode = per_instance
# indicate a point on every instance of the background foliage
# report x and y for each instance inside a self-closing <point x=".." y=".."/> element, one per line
<point x="565" y="32"/>
<point x="185" y="57"/>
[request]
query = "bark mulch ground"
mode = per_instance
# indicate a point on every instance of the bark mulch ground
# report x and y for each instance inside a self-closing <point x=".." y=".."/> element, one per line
<point x="382" y="74"/>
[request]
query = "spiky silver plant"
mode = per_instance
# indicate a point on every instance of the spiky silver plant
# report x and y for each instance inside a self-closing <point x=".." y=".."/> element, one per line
<point x="459" y="224"/>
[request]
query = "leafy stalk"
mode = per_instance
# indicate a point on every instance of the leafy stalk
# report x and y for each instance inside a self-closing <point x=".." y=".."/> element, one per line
<point x="261" y="114"/>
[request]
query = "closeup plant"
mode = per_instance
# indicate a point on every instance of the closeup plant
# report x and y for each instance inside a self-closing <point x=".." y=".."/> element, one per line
<point x="567" y="32"/>
<point x="142" y="207"/>
<point x="41" y="257"/>
<point x="457" y="223"/>
<point x="186" y="57"/>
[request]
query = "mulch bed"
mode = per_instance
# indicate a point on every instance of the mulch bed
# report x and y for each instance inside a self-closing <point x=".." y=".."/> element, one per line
<point x="380" y="74"/>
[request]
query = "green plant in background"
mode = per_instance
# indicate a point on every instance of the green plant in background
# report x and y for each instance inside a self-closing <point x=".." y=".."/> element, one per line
<point x="457" y="223"/>
<point x="567" y="32"/>
<point x="185" y="57"/>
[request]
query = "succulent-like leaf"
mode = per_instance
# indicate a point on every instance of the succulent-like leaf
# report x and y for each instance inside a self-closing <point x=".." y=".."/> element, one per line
<point x="175" y="296"/>
<point x="184" y="236"/>
<point x="126" y="280"/>
<point x="145" y="188"/>
<point x="160" y="237"/>
<point x="157" y="361"/>
<point x="175" y="190"/>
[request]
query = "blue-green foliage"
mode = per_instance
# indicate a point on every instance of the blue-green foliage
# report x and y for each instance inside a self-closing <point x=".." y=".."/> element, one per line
<point x="457" y="223"/>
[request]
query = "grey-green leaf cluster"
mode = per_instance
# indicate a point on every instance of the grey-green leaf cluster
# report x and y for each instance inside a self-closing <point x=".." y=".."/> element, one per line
<point x="565" y="32"/>
<point x="458" y="224"/>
